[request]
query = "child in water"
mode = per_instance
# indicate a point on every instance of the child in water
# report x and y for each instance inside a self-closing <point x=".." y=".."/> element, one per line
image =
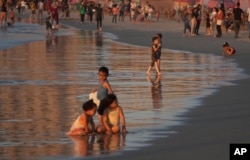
<point x="113" y="116"/>
<point x="154" y="56"/>
<point x="228" y="50"/>
<point x="84" y="123"/>
<point x="100" y="93"/>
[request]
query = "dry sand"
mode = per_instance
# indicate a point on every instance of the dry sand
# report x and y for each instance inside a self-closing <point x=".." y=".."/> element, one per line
<point x="223" y="117"/>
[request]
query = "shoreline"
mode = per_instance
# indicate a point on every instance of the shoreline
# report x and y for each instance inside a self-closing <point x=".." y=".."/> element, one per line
<point x="210" y="128"/>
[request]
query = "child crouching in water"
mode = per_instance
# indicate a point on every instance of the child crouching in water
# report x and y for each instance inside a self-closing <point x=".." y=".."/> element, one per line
<point x="113" y="116"/>
<point x="84" y="123"/>
<point x="228" y="50"/>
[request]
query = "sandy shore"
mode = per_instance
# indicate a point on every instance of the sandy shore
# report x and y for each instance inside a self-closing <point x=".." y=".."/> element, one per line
<point x="223" y="117"/>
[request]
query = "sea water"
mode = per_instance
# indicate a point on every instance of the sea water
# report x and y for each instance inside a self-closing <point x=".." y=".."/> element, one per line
<point x="44" y="81"/>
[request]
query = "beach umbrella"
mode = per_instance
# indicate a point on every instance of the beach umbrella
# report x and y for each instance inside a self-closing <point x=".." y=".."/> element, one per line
<point x="215" y="3"/>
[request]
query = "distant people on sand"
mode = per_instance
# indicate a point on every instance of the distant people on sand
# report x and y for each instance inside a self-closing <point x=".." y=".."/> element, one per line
<point x="238" y="16"/>
<point x="3" y="12"/>
<point x="248" y="21"/>
<point x="33" y="12"/>
<point x="82" y="12"/>
<point x="113" y="117"/>
<point x="11" y="17"/>
<point x="100" y="93"/>
<point x="154" y="55"/>
<point x="228" y="50"/>
<point x="187" y="26"/>
<point x="99" y="16"/>
<point x="84" y="124"/>
<point x="219" y="22"/>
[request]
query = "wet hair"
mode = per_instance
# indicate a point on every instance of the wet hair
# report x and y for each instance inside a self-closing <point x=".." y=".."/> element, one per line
<point x="159" y="35"/>
<point x="154" y="38"/>
<point x="110" y="99"/>
<point x="88" y="105"/>
<point x="225" y="44"/>
<point x="104" y="70"/>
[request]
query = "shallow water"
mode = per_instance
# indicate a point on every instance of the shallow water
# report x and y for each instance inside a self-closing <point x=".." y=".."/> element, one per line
<point x="44" y="83"/>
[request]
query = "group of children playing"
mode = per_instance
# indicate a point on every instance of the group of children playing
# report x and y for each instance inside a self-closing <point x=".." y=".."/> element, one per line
<point x="110" y="114"/>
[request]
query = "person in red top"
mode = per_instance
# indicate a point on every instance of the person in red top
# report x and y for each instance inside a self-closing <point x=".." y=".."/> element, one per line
<point x="114" y="13"/>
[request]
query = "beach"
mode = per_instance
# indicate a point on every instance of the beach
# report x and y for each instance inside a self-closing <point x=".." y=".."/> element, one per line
<point x="209" y="128"/>
<point x="220" y="120"/>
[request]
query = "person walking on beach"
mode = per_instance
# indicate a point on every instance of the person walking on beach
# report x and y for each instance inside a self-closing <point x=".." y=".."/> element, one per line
<point x="248" y="20"/>
<point x="186" y="25"/>
<point x="113" y="116"/>
<point x="99" y="15"/>
<point x="238" y="16"/>
<point x="84" y="124"/>
<point x="100" y="93"/>
<point x="154" y="56"/>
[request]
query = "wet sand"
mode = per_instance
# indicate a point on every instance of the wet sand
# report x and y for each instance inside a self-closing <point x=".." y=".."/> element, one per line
<point x="208" y="130"/>
<point x="222" y="118"/>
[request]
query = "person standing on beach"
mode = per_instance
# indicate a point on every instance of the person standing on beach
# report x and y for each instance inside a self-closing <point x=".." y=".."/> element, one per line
<point x="101" y="92"/>
<point x="238" y="16"/>
<point x="159" y="35"/>
<point x="219" y="21"/>
<point x="114" y="13"/>
<point x="82" y="12"/>
<point x="186" y="25"/>
<point x="48" y="21"/>
<point x="40" y="7"/>
<point x="121" y="10"/>
<point x="99" y="15"/>
<point x="33" y="11"/>
<point x="3" y="12"/>
<point x="154" y="55"/>
<point x="248" y="20"/>
<point x="197" y="14"/>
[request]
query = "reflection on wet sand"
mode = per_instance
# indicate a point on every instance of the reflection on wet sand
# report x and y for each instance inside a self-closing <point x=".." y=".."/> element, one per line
<point x="97" y="144"/>
<point x="43" y="85"/>
<point x="156" y="90"/>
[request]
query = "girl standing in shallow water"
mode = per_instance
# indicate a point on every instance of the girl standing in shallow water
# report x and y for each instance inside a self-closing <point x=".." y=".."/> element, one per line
<point x="154" y="56"/>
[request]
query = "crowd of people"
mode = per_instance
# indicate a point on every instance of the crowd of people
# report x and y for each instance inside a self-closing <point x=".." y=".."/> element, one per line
<point x="217" y="20"/>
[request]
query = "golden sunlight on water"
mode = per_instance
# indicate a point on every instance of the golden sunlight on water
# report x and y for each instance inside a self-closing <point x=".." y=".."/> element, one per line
<point x="43" y="85"/>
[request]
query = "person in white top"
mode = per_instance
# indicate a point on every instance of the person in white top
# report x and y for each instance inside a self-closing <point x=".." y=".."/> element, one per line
<point x="84" y="123"/>
<point x="248" y="20"/>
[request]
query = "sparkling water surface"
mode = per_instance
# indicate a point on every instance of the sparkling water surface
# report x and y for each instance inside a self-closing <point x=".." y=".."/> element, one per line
<point x="44" y="81"/>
